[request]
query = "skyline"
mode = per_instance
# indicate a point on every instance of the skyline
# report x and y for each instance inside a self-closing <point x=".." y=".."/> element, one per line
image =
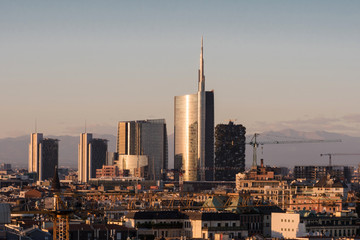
<point x="273" y="65"/>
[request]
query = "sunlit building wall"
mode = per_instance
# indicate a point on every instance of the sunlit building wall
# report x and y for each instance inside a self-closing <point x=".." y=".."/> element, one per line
<point x="43" y="156"/>
<point x="91" y="156"/>
<point x="194" y="132"/>
<point x="145" y="137"/>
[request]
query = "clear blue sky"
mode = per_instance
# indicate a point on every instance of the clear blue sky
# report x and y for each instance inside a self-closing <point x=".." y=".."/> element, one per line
<point x="273" y="64"/>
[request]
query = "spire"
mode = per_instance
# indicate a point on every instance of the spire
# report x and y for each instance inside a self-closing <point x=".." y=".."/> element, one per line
<point x="201" y="69"/>
<point x="55" y="185"/>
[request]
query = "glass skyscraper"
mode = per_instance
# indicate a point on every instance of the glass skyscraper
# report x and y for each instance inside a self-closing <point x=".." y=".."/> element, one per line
<point x="194" y="132"/>
<point x="145" y="137"/>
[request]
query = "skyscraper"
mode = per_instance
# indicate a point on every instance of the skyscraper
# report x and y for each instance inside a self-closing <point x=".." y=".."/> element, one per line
<point x="145" y="137"/>
<point x="194" y="131"/>
<point x="43" y="156"/>
<point x="229" y="151"/>
<point x="91" y="156"/>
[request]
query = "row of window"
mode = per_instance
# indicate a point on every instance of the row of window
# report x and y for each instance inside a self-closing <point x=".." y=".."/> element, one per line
<point x="286" y="220"/>
<point x="288" y="229"/>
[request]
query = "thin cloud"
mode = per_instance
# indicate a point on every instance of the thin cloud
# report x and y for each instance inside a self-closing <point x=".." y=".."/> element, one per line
<point x="355" y="118"/>
<point x="347" y="124"/>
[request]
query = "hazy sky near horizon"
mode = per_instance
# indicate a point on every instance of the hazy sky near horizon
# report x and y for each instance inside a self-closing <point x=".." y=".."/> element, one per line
<point x="272" y="64"/>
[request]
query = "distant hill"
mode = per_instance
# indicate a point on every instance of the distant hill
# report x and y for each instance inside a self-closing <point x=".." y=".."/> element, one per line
<point x="288" y="155"/>
<point x="15" y="150"/>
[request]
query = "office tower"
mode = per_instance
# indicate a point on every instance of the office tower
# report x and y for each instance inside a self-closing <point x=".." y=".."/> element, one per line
<point x="91" y="156"/>
<point x="5" y="166"/>
<point x="145" y="137"/>
<point x="43" y="156"/>
<point x="229" y="151"/>
<point x="111" y="157"/>
<point x="135" y="165"/>
<point x="194" y="131"/>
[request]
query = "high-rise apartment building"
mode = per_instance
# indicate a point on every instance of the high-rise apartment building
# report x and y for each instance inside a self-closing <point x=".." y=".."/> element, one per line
<point x="194" y="132"/>
<point x="43" y="156"/>
<point x="145" y="137"/>
<point x="314" y="172"/>
<point x="229" y="151"/>
<point x="91" y="156"/>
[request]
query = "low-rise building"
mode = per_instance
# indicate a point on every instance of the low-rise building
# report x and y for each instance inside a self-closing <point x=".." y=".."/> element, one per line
<point x="286" y="225"/>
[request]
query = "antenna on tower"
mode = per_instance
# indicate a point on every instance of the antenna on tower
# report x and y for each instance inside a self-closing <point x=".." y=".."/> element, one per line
<point x="35" y="125"/>
<point x="85" y="126"/>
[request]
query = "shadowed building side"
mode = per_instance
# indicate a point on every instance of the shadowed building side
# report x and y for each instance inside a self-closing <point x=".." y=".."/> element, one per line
<point x="91" y="156"/>
<point x="43" y="156"/>
<point x="229" y="151"/>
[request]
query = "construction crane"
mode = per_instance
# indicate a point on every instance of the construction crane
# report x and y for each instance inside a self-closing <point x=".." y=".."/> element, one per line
<point x="255" y="143"/>
<point x="337" y="154"/>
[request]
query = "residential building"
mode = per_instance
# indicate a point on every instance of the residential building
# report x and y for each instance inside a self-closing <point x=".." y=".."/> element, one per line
<point x="340" y="225"/>
<point x="326" y="195"/>
<point x="194" y="132"/>
<point x="167" y="224"/>
<point x="287" y="225"/>
<point x="229" y="151"/>
<point x="43" y="156"/>
<point x="107" y="172"/>
<point x="313" y="172"/>
<point x="262" y="185"/>
<point x="145" y="138"/>
<point x="91" y="156"/>
<point x="205" y="225"/>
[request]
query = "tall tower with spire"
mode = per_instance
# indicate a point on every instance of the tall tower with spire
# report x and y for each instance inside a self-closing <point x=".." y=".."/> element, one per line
<point x="194" y="131"/>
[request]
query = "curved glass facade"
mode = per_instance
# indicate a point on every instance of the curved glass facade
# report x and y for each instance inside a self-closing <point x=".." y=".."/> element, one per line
<point x="186" y="135"/>
<point x="194" y="132"/>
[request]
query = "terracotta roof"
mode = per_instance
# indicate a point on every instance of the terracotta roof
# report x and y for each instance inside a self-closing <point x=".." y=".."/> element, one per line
<point x="328" y="182"/>
<point x="155" y="215"/>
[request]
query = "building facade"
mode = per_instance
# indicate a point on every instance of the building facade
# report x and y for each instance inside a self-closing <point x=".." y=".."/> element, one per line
<point x="229" y="151"/>
<point x="194" y="132"/>
<point x="91" y="156"/>
<point x="312" y="172"/>
<point x="145" y="137"/>
<point x="43" y="156"/>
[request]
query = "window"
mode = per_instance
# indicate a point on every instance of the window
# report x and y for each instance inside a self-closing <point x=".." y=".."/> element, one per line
<point x="219" y="224"/>
<point x="234" y="224"/>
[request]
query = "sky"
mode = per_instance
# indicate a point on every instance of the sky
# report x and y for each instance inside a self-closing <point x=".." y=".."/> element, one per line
<point x="273" y="65"/>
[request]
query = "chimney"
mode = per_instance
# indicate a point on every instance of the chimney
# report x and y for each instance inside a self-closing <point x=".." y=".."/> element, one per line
<point x="262" y="163"/>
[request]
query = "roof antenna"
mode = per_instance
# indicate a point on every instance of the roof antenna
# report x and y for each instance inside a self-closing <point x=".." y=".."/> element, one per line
<point x="35" y="125"/>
